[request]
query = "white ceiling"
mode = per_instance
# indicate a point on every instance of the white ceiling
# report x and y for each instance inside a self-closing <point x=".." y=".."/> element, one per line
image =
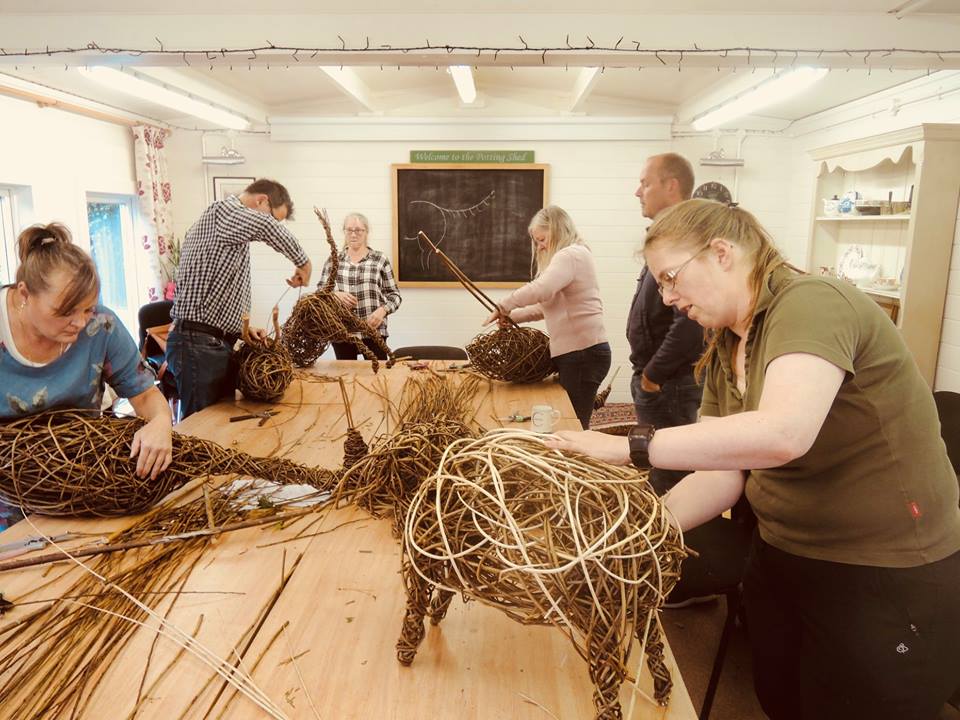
<point x="270" y="84"/>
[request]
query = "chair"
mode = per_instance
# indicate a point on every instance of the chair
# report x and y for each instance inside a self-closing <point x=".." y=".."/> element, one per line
<point x="154" y="315"/>
<point x="431" y="352"/>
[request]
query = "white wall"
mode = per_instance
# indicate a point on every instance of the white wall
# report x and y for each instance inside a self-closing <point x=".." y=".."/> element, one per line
<point x="62" y="157"/>
<point x="593" y="180"/>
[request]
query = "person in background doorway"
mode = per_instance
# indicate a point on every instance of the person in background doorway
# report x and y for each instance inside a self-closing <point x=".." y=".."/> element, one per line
<point x="213" y="288"/>
<point x="566" y="295"/>
<point x="664" y="343"/>
<point x="364" y="284"/>
<point x="59" y="348"/>
<point x="814" y="407"/>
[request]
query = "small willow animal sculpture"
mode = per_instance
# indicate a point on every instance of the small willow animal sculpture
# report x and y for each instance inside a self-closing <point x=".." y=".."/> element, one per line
<point x="74" y="462"/>
<point x="265" y="368"/>
<point x="511" y="353"/>
<point x="320" y="318"/>
<point x="549" y="539"/>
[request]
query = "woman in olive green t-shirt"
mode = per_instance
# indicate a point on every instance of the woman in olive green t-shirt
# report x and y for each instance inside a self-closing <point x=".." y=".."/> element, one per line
<point x="815" y="409"/>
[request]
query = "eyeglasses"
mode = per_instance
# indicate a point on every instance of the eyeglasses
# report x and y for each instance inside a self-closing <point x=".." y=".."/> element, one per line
<point x="354" y="231"/>
<point x="669" y="281"/>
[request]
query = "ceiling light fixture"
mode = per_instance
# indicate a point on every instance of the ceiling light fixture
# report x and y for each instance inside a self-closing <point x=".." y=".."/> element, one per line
<point x="780" y="87"/>
<point x="146" y="89"/>
<point x="463" y="79"/>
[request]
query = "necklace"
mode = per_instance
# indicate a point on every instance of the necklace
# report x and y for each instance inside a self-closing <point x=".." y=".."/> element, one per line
<point x="44" y="358"/>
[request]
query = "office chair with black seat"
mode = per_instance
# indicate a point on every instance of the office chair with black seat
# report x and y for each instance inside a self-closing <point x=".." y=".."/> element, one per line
<point x="431" y="352"/>
<point x="153" y="319"/>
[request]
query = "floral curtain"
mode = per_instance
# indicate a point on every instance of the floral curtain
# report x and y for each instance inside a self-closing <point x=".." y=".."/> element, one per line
<point x="153" y="188"/>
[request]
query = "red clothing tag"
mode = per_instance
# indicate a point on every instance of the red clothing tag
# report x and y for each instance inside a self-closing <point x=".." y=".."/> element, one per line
<point x="914" y="510"/>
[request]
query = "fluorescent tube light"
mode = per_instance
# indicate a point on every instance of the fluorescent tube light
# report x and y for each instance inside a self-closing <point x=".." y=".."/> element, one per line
<point x="151" y="91"/>
<point x="463" y="79"/>
<point x="780" y="87"/>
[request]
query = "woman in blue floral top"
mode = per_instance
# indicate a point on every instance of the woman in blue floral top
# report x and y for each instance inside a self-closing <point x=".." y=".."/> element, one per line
<point x="58" y="347"/>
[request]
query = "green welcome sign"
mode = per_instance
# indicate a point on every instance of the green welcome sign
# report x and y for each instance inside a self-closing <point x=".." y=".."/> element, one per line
<point x="472" y="156"/>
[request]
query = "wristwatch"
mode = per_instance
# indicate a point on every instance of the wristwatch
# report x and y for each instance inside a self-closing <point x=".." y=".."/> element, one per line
<point x="639" y="438"/>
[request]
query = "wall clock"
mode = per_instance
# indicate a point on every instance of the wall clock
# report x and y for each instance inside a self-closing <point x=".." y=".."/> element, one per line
<point x="713" y="191"/>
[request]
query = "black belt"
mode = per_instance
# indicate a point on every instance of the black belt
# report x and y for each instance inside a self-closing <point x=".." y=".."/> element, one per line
<point x="195" y="326"/>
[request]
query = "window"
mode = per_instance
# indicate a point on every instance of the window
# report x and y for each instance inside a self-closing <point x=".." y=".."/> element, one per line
<point x="110" y="221"/>
<point x="8" y="238"/>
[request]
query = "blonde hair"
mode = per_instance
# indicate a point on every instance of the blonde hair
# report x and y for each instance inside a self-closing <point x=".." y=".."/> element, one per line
<point x="45" y="249"/>
<point x="561" y="233"/>
<point x="692" y="224"/>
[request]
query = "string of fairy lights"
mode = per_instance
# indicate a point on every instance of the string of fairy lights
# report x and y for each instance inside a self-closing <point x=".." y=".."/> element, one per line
<point x="623" y="52"/>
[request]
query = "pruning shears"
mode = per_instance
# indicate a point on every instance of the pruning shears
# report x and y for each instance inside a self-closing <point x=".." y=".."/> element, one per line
<point x="264" y="416"/>
<point x="516" y="417"/>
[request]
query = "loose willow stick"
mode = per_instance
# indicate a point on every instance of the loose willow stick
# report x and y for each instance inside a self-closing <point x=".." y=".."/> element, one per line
<point x="87" y="552"/>
<point x="464" y="280"/>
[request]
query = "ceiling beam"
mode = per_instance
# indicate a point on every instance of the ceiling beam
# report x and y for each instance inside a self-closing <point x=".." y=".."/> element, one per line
<point x="876" y="60"/>
<point x="586" y="80"/>
<point x="350" y="83"/>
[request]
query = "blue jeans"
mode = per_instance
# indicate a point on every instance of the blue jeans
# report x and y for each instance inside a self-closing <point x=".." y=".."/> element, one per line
<point x="581" y="373"/>
<point x="204" y="368"/>
<point x="677" y="403"/>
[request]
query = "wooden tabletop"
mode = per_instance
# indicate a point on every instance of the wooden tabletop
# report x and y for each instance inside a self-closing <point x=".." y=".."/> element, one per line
<point x="340" y="610"/>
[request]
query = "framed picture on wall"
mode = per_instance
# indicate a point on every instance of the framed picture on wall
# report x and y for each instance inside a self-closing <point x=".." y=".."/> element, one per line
<point x="224" y="187"/>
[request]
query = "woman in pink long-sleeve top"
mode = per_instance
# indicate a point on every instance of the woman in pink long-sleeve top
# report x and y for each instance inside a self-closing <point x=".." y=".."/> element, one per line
<point x="566" y="296"/>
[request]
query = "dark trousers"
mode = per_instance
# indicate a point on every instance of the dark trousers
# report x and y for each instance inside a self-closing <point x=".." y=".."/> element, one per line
<point x="348" y="351"/>
<point x="581" y="373"/>
<point x="677" y="403"/>
<point x="204" y="367"/>
<point x="832" y="641"/>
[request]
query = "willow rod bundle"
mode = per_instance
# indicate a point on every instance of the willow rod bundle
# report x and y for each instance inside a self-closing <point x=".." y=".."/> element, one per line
<point x="265" y="368"/>
<point x="52" y="660"/>
<point x="320" y="318"/>
<point x="510" y="353"/>
<point x="549" y="539"/>
<point x="75" y="462"/>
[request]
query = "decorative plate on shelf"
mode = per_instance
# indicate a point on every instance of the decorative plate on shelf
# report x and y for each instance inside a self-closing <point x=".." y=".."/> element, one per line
<point x="714" y="191"/>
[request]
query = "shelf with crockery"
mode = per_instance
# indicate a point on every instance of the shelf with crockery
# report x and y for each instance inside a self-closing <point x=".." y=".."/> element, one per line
<point x="863" y="218"/>
<point x="902" y="260"/>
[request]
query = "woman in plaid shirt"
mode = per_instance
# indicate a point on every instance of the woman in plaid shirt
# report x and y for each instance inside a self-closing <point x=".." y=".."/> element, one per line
<point x="365" y="284"/>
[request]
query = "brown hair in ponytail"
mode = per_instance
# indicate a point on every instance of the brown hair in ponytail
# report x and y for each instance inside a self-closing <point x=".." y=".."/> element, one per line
<point x="692" y="224"/>
<point x="45" y="249"/>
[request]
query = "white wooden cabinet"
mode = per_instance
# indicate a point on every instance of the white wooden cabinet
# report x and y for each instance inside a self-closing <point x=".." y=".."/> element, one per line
<point x="913" y="248"/>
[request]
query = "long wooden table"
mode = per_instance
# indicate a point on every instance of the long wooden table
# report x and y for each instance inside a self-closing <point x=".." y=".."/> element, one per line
<point x="340" y="612"/>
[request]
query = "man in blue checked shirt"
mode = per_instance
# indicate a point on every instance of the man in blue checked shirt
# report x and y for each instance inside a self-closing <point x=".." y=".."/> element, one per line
<point x="213" y="288"/>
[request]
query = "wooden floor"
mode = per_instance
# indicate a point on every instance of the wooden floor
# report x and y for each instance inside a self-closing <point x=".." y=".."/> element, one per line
<point x="340" y="610"/>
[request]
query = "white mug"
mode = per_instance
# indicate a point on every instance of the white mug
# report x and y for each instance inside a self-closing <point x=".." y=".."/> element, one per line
<point x="542" y="418"/>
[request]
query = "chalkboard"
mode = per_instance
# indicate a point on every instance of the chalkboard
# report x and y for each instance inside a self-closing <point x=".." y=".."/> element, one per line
<point x="476" y="214"/>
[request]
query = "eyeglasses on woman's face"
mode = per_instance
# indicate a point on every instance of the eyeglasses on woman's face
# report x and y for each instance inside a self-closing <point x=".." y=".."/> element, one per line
<point x="355" y="230"/>
<point x="668" y="280"/>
